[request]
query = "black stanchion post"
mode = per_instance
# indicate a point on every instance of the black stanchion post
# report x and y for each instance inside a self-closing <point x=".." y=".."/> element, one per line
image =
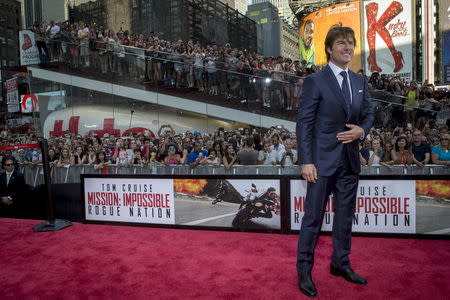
<point x="51" y="224"/>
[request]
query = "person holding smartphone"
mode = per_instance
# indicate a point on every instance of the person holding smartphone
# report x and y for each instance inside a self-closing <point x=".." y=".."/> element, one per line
<point x="197" y="154"/>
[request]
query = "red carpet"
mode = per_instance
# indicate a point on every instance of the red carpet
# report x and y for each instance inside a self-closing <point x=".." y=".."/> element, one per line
<point x="99" y="261"/>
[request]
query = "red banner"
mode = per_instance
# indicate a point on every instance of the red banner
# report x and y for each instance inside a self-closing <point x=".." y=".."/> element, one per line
<point x="17" y="147"/>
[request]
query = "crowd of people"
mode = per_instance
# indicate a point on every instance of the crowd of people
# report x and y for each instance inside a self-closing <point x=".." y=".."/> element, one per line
<point x="249" y="146"/>
<point x="235" y="74"/>
<point x="421" y="138"/>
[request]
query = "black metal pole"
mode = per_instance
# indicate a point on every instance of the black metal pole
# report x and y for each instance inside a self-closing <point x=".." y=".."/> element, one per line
<point x="51" y="224"/>
<point x="47" y="180"/>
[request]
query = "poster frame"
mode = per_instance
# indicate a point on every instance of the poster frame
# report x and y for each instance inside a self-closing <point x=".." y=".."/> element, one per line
<point x="284" y="213"/>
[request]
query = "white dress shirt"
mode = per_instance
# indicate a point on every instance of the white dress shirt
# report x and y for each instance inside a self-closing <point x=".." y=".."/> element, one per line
<point x="8" y="177"/>
<point x="337" y="72"/>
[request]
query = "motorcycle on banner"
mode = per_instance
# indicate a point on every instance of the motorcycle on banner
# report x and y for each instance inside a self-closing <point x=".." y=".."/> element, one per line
<point x="256" y="206"/>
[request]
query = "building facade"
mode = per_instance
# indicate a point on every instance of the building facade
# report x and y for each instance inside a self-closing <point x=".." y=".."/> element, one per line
<point x="289" y="40"/>
<point x="284" y="10"/>
<point x="239" y="5"/>
<point x="204" y="21"/>
<point x="10" y="24"/>
<point x="275" y="36"/>
<point x="42" y="10"/>
<point x="266" y="16"/>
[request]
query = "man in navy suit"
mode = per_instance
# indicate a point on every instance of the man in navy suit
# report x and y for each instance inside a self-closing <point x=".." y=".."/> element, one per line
<point x="12" y="184"/>
<point x="335" y="114"/>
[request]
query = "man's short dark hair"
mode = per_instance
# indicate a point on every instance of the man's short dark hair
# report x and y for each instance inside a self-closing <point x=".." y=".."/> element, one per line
<point x="249" y="141"/>
<point x="7" y="159"/>
<point x="336" y="32"/>
<point x="309" y="21"/>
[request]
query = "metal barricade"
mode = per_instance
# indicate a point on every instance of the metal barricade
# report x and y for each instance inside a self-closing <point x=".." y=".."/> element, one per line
<point x="34" y="175"/>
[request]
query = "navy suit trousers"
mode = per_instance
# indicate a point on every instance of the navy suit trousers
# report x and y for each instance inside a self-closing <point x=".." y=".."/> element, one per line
<point x="343" y="184"/>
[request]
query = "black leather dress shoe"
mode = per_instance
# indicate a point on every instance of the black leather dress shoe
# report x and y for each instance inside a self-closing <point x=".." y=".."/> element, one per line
<point x="306" y="286"/>
<point x="348" y="275"/>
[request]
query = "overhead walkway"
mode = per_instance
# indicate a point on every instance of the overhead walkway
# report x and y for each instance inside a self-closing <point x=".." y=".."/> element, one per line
<point x="181" y="99"/>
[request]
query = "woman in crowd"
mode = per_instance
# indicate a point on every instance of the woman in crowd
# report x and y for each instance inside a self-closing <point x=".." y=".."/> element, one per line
<point x="101" y="163"/>
<point x="53" y="157"/>
<point x="172" y="158"/>
<point x="230" y="158"/>
<point x="91" y="156"/>
<point x="36" y="156"/>
<point x="401" y="154"/>
<point x="375" y="153"/>
<point x="147" y="149"/>
<point x="80" y="157"/>
<point x="289" y="87"/>
<point x="386" y="159"/>
<point x="412" y="103"/>
<point x="137" y="158"/>
<point x="440" y="154"/>
<point x="218" y="148"/>
<point x="22" y="158"/>
<point x="66" y="158"/>
<point x="211" y="159"/>
<point x="122" y="158"/>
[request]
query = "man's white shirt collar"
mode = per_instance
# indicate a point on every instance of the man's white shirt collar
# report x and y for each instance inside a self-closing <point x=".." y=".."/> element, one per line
<point x="336" y="70"/>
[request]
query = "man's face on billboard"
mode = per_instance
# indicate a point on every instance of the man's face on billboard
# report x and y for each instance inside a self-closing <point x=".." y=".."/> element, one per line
<point x="308" y="34"/>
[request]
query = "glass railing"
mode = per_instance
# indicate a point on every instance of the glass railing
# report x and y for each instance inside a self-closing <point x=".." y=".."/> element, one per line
<point x="226" y="83"/>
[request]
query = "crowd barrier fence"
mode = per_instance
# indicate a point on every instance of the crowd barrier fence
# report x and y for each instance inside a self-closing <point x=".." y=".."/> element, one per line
<point x="34" y="174"/>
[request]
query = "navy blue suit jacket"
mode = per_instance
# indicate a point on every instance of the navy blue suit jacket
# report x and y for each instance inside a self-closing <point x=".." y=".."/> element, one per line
<point x="323" y="114"/>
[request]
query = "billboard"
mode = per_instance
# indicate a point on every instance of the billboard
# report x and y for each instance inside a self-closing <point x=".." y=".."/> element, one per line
<point x="129" y="200"/>
<point x="29" y="53"/>
<point x="29" y="103"/>
<point x="237" y="203"/>
<point x="388" y="36"/>
<point x="12" y="94"/>
<point x="315" y="27"/>
<point x="444" y="17"/>
<point x="385" y="206"/>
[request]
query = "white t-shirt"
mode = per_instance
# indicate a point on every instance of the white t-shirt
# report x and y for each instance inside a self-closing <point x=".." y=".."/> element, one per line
<point x="212" y="162"/>
<point x="279" y="148"/>
<point x="288" y="159"/>
<point x="211" y="66"/>
<point x="269" y="157"/>
<point x="376" y="159"/>
<point x="54" y="30"/>
<point x="198" y="60"/>
<point x="83" y="33"/>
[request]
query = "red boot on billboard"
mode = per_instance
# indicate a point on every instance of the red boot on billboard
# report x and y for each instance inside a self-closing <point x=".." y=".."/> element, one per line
<point x="394" y="9"/>
<point x="371" y="13"/>
<point x="398" y="60"/>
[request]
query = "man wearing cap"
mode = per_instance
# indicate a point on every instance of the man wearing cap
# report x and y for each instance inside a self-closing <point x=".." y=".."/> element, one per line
<point x="11" y="184"/>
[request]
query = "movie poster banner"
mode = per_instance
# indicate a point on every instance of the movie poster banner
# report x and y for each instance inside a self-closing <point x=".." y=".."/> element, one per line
<point x="383" y="206"/>
<point x="444" y="16"/>
<point x="388" y="37"/>
<point x="129" y="200"/>
<point x="315" y="26"/>
<point x="12" y="94"/>
<point x="237" y="203"/>
<point x="433" y="206"/>
<point x="29" y="53"/>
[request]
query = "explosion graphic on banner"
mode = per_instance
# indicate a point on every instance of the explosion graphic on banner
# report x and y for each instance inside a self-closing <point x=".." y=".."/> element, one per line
<point x="189" y="186"/>
<point x="438" y="189"/>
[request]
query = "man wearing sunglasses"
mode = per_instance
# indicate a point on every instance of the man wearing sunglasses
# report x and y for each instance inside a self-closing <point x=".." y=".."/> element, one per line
<point x="11" y="184"/>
